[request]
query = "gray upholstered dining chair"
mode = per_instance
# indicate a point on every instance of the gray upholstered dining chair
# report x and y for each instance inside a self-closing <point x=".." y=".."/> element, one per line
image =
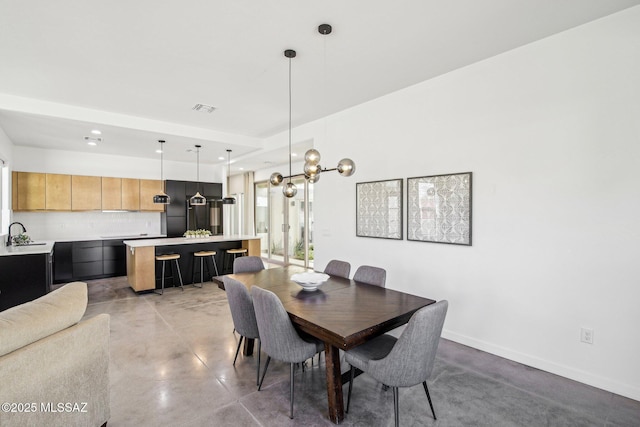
<point x="338" y="268"/>
<point x="244" y="317"/>
<point x="371" y="275"/>
<point x="278" y="336"/>
<point x="248" y="264"/>
<point x="402" y="362"/>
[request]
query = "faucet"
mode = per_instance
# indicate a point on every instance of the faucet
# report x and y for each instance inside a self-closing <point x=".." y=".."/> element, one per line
<point x="24" y="230"/>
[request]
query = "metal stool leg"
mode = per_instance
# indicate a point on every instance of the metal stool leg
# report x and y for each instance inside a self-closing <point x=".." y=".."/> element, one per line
<point x="161" y="280"/>
<point x="179" y="275"/>
<point x="215" y="266"/>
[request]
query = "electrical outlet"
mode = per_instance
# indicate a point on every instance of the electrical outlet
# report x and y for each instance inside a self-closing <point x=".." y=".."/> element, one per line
<point x="586" y="335"/>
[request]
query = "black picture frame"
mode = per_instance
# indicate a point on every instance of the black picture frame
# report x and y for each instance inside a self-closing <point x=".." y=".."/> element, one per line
<point x="439" y="208"/>
<point x="379" y="209"/>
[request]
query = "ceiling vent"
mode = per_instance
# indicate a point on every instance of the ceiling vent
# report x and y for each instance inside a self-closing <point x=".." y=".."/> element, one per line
<point x="203" y="108"/>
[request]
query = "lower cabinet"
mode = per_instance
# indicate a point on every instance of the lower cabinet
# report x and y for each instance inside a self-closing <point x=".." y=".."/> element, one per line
<point x="24" y="278"/>
<point x="93" y="259"/>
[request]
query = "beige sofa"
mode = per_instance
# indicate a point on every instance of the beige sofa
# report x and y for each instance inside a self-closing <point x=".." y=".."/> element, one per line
<point x="54" y="369"/>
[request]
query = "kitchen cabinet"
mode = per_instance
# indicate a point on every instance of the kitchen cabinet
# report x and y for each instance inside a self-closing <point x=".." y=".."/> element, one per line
<point x="57" y="192"/>
<point x="148" y="189"/>
<point x="111" y="194"/>
<point x="30" y="191"/>
<point x="87" y="259"/>
<point x="24" y="278"/>
<point x="114" y="260"/>
<point x="86" y="193"/>
<point x="62" y="262"/>
<point x="130" y="194"/>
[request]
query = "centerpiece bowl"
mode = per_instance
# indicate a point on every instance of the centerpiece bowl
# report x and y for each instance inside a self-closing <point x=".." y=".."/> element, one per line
<point x="310" y="281"/>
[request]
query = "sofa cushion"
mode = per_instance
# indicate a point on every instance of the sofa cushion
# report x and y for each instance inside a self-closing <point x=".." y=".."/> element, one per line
<point x="26" y="323"/>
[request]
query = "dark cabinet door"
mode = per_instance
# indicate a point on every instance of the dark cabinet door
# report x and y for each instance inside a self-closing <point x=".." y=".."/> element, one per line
<point x="177" y="191"/>
<point x="87" y="259"/>
<point x="62" y="262"/>
<point x="24" y="278"/>
<point x="114" y="258"/>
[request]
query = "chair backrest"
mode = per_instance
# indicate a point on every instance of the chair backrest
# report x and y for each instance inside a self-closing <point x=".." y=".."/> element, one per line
<point x="371" y="275"/>
<point x="410" y="362"/>
<point x="338" y="268"/>
<point x="278" y="337"/>
<point x="241" y="305"/>
<point x="248" y="264"/>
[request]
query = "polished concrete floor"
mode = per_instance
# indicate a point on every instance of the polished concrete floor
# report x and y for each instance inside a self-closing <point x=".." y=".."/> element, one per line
<point x="171" y="365"/>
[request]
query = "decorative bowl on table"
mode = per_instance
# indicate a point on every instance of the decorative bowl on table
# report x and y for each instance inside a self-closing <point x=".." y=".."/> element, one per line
<point x="310" y="281"/>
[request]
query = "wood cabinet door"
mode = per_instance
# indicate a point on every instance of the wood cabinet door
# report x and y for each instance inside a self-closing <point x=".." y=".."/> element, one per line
<point x="58" y="192"/>
<point x="86" y="193"/>
<point x="148" y="189"/>
<point x="31" y="191"/>
<point x="131" y="194"/>
<point x="111" y="193"/>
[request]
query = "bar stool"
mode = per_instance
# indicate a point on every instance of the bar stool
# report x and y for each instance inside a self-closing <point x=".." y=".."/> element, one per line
<point x="164" y="259"/>
<point x="231" y="255"/>
<point x="202" y="255"/>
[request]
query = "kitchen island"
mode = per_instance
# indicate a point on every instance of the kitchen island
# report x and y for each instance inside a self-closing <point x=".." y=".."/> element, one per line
<point x="143" y="273"/>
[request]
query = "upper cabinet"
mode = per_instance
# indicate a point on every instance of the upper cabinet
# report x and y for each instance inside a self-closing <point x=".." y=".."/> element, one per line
<point x="58" y="192"/>
<point x="111" y="194"/>
<point x="86" y="193"/>
<point x="131" y="194"/>
<point x="31" y="191"/>
<point x="148" y="189"/>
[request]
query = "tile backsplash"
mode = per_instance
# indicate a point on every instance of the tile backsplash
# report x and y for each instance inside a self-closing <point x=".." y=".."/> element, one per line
<point x="87" y="225"/>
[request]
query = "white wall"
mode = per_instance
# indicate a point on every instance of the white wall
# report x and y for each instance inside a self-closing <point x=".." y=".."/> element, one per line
<point x="551" y="132"/>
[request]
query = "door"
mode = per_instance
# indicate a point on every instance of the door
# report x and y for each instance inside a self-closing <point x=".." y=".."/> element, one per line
<point x="285" y="225"/>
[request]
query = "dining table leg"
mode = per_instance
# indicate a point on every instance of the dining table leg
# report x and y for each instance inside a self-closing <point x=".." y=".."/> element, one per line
<point x="334" y="383"/>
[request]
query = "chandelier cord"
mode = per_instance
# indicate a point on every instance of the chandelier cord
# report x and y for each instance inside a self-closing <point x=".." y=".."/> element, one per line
<point x="289" y="119"/>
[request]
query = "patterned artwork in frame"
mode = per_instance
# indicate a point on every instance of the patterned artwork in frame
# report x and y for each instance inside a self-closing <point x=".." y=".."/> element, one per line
<point x="439" y="209"/>
<point x="379" y="209"/>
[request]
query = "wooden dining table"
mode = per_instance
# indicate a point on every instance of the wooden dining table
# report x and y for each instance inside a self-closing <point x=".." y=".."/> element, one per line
<point x="342" y="313"/>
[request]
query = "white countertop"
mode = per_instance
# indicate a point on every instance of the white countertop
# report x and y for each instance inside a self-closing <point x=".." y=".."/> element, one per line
<point x="46" y="248"/>
<point x="186" y="241"/>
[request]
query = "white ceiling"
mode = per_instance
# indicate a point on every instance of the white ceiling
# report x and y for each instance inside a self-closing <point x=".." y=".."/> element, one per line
<point x="135" y="69"/>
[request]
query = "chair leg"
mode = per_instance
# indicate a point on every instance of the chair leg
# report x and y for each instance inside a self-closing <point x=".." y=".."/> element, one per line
<point x="426" y="390"/>
<point x="291" y="388"/>
<point x="258" y="369"/>
<point x="266" y="365"/>
<point x="353" y="375"/>
<point x="238" y="350"/>
<point x="395" y="406"/>
<point x="179" y="275"/>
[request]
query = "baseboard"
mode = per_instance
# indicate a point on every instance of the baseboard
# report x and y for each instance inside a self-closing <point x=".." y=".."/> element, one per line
<point x="626" y="390"/>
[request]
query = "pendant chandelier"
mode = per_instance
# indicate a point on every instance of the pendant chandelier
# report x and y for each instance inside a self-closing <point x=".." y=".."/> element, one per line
<point x="228" y="200"/>
<point x="312" y="168"/>
<point x="161" y="198"/>
<point x="198" y="199"/>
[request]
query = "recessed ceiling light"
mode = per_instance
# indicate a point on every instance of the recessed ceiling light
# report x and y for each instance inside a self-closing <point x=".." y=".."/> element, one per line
<point x="203" y="108"/>
<point x="96" y="132"/>
<point x="220" y="158"/>
<point x="159" y="151"/>
<point x="293" y="154"/>
<point x="241" y="169"/>
<point x="92" y="143"/>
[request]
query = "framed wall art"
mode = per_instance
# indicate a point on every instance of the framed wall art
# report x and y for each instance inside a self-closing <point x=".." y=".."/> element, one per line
<point x="379" y="209"/>
<point x="439" y="208"/>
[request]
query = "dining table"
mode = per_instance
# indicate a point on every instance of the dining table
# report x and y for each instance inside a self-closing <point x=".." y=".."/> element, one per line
<point x="341" y="312"/>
